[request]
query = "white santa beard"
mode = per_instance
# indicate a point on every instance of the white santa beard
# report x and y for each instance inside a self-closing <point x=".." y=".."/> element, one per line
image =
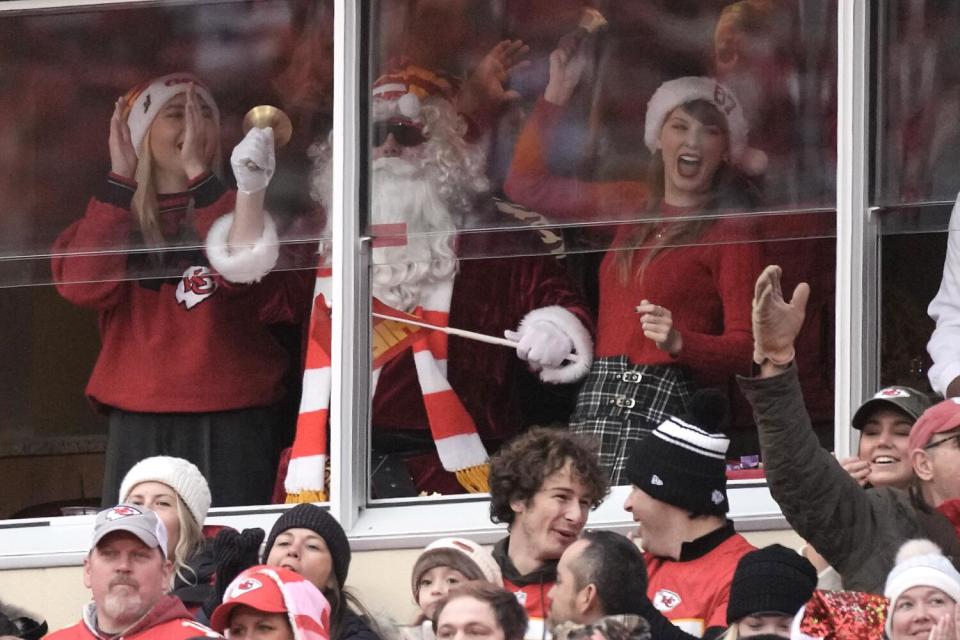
<point x="403" y="193"/>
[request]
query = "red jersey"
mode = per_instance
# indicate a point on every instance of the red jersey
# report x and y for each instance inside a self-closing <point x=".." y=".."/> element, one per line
<point x="693" y="592"/>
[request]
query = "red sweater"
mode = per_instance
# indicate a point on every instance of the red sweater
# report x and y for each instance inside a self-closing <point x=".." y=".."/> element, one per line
<point x="187" y="341"/>
<point x="708" y="288"/>
<point x="693" y="592"/>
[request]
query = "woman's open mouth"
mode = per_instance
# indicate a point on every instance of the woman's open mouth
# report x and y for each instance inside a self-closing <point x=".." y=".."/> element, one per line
<point x="688" y="165"/>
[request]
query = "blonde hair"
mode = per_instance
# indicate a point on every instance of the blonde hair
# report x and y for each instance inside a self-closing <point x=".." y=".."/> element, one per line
<point x="190" y="542"/>
<point x="144" y="205"/>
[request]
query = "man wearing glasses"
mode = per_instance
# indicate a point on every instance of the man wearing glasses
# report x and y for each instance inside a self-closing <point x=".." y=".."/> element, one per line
<point x="857" y="530"/>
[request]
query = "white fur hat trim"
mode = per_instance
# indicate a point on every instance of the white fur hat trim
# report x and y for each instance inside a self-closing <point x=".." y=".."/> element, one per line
<point x="674" y="93"/>
<point x="147" y="102"/>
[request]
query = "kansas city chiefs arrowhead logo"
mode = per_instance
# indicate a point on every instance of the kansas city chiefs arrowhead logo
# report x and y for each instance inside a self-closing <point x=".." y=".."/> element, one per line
<point x="655" y="480"/>
<point x="196" y="285"/>
<point x="245" y="586"/>
<point x="666" y="600"/>
<point x="717" y="497"/>
<point x="122" y="512"/>
<point x="892" y="393"/>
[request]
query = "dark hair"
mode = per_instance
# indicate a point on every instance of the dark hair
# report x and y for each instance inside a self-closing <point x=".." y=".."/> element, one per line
<point x="730" y="191"/>
<point x="508" y="612"/>
<point x="518" y="470"/>
<point x="616" y="567"/>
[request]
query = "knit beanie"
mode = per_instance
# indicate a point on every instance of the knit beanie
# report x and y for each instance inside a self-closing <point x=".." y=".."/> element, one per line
<point x="920" y="563"/>
<point x="312" y="517"/>
<point x="145" y="100"/>
<point x="466" y="556"/>
<point x="180" y="475"/>
<point x="674" y="93"/>
<point x="770" y="580"/>
<point x="682" y="464"/>
<point x="277" y="590"/>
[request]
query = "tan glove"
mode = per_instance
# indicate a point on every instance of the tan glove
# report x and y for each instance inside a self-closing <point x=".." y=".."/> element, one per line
<point x="776" y="322"/>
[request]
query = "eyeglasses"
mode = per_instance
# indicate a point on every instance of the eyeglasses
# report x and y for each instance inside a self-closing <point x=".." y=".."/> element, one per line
<point x="933" y="445"/>
<point x="407" y="134"/>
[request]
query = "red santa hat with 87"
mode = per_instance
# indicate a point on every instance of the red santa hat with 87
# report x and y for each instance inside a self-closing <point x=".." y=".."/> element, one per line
<point x="145" y="101"/>
<point x="674" y="93"/>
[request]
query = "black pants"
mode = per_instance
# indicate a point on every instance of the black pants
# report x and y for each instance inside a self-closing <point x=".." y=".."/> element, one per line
<point x="234" y="450"/>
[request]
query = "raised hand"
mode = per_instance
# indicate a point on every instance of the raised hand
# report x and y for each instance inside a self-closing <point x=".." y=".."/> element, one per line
<point x="123" y="157"/>
<point x="254" y="160"/>
<point x="484" y="93"/>
<point x="657" y="324"/>
<point x="198" y="143"/>
<point x="776" y="322"/>
<point x="566" y="70"/>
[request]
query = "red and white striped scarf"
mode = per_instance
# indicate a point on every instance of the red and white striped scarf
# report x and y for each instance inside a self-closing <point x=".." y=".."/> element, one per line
<point x="454" y="432"/>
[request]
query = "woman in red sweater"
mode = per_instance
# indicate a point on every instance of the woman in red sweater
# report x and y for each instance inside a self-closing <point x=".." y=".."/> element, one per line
<point x="187" y="366"/>
<point x="675" y="289"/>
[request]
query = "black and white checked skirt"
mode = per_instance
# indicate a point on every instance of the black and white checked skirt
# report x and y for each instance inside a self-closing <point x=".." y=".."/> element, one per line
<point x="620" y="403"/>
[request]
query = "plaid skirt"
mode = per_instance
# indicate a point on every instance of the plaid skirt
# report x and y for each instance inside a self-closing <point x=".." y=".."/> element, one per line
<point x="620" y="403"/>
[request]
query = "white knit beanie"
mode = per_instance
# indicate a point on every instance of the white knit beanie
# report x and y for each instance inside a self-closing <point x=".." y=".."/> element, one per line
<point x="180" y="475"/>
<point x="920" y="563"/>
<point x="674" y="93"/>
<point x="145" y="100"/>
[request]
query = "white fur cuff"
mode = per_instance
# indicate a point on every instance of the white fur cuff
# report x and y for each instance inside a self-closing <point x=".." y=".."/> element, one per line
<point x="578" y="334"/>
<point x="242" y="265"/>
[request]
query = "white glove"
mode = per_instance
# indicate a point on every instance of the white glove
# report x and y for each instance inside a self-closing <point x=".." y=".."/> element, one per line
<point x="542" y="344"/>
<point x="254" y="160"/>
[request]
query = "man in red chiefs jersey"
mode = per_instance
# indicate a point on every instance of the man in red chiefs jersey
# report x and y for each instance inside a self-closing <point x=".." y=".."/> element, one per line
<point x="679" y="502"/>
<point x="542" y="484"/>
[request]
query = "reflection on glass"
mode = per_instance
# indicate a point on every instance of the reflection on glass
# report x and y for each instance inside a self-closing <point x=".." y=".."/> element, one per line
<point x="655" y="211"/>
<point x="179" y="343"/>
<point x="917" y="130"/>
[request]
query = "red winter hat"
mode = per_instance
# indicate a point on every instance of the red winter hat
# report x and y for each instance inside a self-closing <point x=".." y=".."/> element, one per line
<point x="277" y="590"/>
<point x="943" y="416"/>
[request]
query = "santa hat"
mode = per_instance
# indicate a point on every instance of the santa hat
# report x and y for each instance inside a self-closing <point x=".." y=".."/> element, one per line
<point x="145" y="101"/>
<point x="466" y="556"/>
<point x="277" y="590"/>
<point x="683" y="465"/>
<point x="920" y="563"/>
<point x="407" y="85"/>
<point x="180" y="475"/>
<point x="678" y="92"/>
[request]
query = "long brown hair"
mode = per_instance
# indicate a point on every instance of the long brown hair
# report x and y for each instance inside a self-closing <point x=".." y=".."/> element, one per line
<point x="729" y="191"/>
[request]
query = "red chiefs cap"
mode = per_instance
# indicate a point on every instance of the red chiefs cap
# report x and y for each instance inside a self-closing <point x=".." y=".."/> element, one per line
<point x="943" y="416"/>
<point x="277" y="590"/>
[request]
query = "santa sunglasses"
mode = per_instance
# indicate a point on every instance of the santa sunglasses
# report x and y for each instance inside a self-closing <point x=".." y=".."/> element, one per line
<point x="406" y="134"/>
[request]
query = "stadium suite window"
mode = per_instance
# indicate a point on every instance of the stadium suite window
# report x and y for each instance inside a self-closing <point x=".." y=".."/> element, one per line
<point x="597" y="140"/>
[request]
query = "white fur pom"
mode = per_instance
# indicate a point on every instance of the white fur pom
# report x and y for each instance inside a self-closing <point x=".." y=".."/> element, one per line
<point x="247" y="264"/>
<point x="917" y="547"/>
<point x="409" y="105"/>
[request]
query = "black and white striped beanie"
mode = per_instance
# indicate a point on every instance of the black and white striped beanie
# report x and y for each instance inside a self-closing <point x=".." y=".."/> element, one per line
<point x="682" y="464"/>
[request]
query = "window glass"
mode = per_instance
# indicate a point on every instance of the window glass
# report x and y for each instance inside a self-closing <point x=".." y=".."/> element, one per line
<point x="63" y="71"/>
<point x="514" y="188"/>
<point x="918" y="134"/>
<point x="917" y="138"/>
